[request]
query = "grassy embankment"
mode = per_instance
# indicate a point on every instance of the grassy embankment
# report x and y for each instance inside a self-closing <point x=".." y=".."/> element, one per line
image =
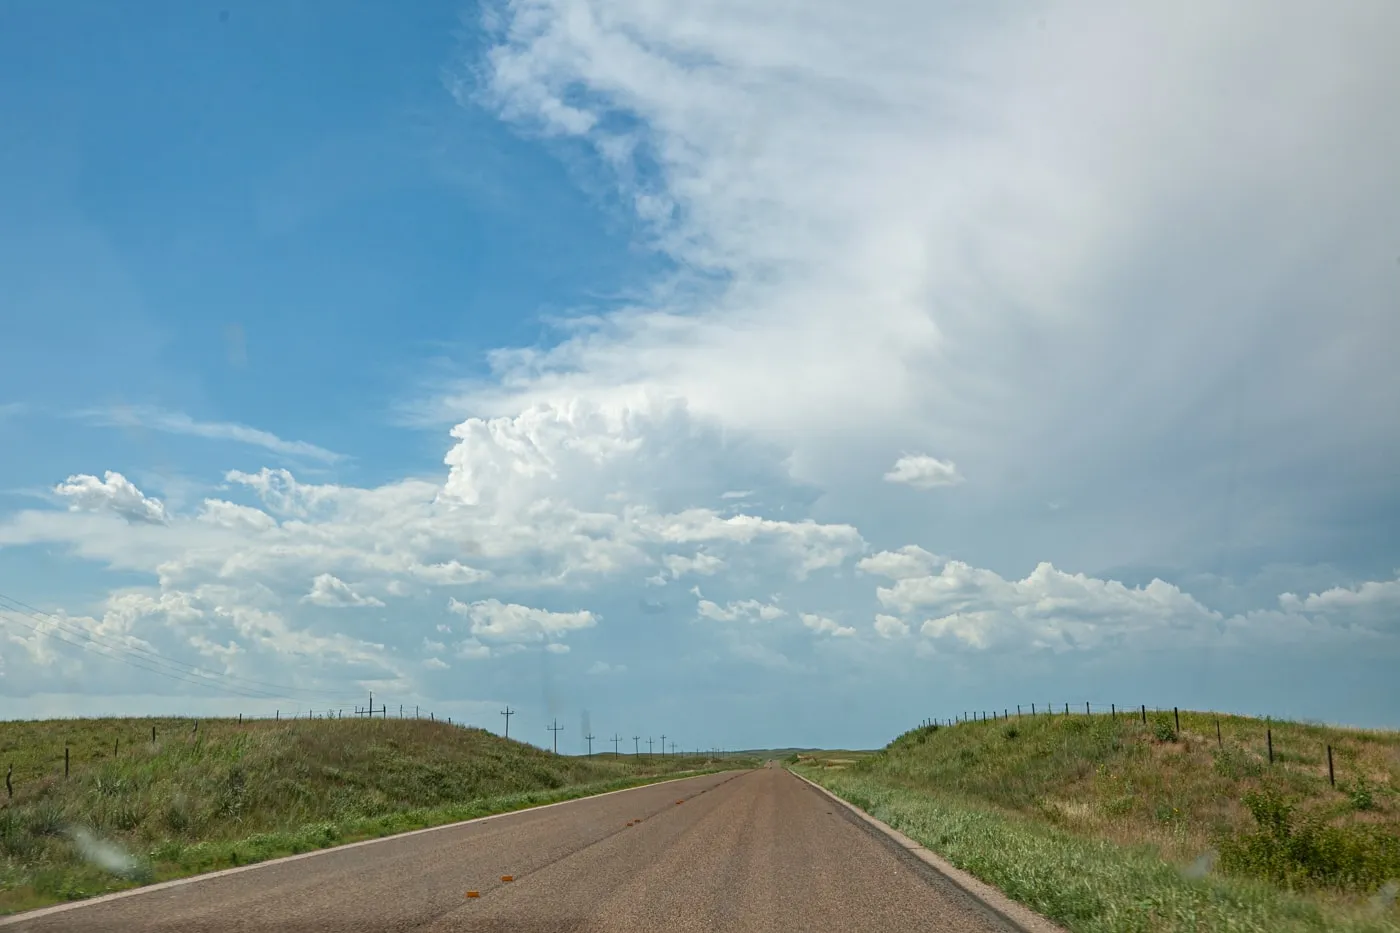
<point x="1108" y="824"/>
<point x="133" y="811"/>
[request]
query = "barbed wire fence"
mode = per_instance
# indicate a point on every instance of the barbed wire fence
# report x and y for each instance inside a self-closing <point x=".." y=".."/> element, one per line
<point x="1166" y="721"/>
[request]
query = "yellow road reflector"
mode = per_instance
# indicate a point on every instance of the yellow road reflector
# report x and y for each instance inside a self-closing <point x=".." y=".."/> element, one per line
<point x="473" y="894"/>
<point x="507" y="878"/>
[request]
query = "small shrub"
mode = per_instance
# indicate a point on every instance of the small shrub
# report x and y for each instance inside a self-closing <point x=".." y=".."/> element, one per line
<point x="47" y="819"/>
<point x="1235" y="764"/>
<point x="1011" y="732"/>
<point x="1297" y="852"/>
<point x="127" y="816"/>
<point x="1162" y="730"/>
<point x="15" y="839"/>
<point x="1362" y="795"/>
<point x="177" y="815"/>
<point x="1076" y="725"/>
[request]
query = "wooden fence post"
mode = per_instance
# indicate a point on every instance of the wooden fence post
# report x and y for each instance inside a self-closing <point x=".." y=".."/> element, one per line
<point x="65" y="760"/>
<point x="1218" y="739"/>
<point x="1113" y="710"/>
<point x="1177" y="713"/>
<point x="1331" y="775"/>
<point x="1269" y="737"/>
<point x="116" y="747"/>
<point x="9" y="787"/>
<point x="1144" y="714"/>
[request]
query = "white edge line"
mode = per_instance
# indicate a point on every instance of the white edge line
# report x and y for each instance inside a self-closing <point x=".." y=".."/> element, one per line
<point x="38" y="913"/>
<point x="1019" y="914"/>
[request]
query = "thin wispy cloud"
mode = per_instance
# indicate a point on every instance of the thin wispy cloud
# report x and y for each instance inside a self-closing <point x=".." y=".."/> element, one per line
<point x="176" y="422"/>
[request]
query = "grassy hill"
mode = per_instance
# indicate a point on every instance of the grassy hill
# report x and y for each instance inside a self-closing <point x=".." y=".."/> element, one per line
<point x="218" y="793"/>
<point x="1109" y="823"/>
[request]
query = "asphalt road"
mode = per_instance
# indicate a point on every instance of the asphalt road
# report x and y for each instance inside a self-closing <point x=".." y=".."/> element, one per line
<point x="743" y="851"/>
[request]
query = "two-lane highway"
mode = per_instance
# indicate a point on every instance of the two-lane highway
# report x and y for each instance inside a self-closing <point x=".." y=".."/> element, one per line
<point x="743" y="851"/>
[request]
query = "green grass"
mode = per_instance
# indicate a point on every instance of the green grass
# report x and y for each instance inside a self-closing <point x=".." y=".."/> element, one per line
<point x="1112" y="824"/>
<point x="230" y="794"/>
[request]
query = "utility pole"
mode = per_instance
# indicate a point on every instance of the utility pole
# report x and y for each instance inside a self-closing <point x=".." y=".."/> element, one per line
<point x="507" y="712"/>
<point x="589" y="737"/>
<point x="636" y="746"/>
<point x="555" y="729"/>
<point x="663" y="745"/>
<point x="649" y="744"/>
<point x="615" y="739"/>
<point x="673" y="749"/>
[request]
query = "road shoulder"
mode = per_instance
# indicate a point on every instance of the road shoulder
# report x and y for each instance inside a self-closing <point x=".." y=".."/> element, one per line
<point x="1020" y="917"/>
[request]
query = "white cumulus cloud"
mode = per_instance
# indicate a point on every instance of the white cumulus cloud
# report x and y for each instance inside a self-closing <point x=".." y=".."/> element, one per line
<point x="113" y="493"/>
<point x="923" y="472"/>
<point x="330" y="591"/>
<point x="495" y="621"/>
<point x="824" y="626"/>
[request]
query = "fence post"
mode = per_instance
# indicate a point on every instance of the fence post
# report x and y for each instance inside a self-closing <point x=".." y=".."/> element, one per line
<point x="116" y="747"/>
<point x="1269" y="737"/>
<point x="1086" y="708"/>
<point x="196" y="727"/>
<point x="9" y="787"/>
<point x="240" y="719"/>
<point x="1331" y="775"/>
<point x="1032" y="709"/>
<point x="1144" y="714"/>
<point x="1177" y="713"/>
<point x="1113" y="710"/>
<point x="1018" y="710"/>
<point x="1218" y="739"/>
<point x="65" y="760"/>
<point x="1066" y="709"/>
<point x="277" y="716"/>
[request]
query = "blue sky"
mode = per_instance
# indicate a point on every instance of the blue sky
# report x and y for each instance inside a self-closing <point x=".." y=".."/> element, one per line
<point x="754" y="379"/>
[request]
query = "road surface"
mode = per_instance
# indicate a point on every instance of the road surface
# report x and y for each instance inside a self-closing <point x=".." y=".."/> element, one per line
<point x="744" y="851"/>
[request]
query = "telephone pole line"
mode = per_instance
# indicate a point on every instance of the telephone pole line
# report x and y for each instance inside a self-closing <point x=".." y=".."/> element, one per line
<point x="589" y="737"/>
<point x="663" y="745"/>
<point x="636" y="746"/>
<point x="507" y="712"/>
<point x="649" y="744"/>
<point x="555" y="729"/>
<point x="615" y="739"/>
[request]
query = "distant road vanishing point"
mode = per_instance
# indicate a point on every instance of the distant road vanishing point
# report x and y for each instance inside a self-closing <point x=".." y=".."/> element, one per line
<point x="755" y="851"/>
